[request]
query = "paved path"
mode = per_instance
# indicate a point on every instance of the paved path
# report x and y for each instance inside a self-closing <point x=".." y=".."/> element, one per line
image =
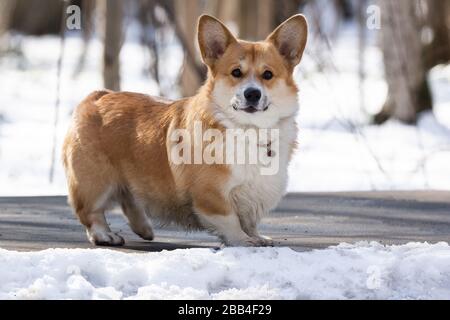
<point x="302" y="221"/>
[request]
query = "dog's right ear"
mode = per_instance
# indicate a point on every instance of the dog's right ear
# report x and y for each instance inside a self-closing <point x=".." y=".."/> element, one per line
<point x="213" y="39"/>
<point x="290" y="39"/>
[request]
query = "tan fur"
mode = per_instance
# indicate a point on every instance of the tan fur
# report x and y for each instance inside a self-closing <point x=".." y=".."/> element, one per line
<point x="117" y="148"/>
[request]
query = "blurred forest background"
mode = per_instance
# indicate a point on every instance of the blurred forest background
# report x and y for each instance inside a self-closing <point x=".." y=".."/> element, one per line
<point x="375" y="78"/>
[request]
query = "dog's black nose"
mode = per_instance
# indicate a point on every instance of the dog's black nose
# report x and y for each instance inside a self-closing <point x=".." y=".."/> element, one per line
<point x="252" y="95"/>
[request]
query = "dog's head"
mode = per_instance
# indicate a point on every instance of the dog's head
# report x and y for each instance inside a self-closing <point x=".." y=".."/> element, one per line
<point x="252" y="82"/>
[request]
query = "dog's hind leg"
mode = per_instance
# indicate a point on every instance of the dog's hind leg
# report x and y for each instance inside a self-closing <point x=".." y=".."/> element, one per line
<point x="99" y="232"/>
<point x="92" y="215"/>
<point x="89" y="196"/>
<point x="137" y="218"/>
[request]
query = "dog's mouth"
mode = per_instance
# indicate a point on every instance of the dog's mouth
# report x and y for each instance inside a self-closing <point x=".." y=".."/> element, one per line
<point x="251" y="109"/>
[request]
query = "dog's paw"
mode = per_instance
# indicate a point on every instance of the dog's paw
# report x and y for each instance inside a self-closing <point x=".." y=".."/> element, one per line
<point x="250" y="242"/>
<point x="103" y="238"/>
<point x="145" y="231"/>
<point x="266" y="241"/>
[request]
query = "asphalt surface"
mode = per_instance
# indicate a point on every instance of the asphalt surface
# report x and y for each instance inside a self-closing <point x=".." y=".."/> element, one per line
<point x="302" y="222"/>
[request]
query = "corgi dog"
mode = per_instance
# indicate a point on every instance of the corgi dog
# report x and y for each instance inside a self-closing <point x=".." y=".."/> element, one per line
<point x="119" y="146"/>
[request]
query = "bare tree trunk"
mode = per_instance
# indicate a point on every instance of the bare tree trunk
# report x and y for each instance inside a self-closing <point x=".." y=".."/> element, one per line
<point x="404" y="64"/>
<point x="257" y="19"/>
<point x="6" y="10"/>
<point x="112" y="43"/>
<point x="87" y="29"/>
<point x="438" y="16"/>
<point x="283" y="9"/>
<point x="37" y="17"/>
<point x="187" y="21"/>
<point x="150" y="25"/>
<point x="227" y="11"/>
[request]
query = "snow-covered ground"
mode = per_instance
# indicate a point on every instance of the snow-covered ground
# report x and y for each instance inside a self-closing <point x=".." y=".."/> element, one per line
<point x="338" y="149"/>
<point x="361" y="271"/>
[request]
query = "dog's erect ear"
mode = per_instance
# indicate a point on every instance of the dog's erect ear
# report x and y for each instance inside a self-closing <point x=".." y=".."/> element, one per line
<point x="290" y="39"/>
<point x="213" y="39"/>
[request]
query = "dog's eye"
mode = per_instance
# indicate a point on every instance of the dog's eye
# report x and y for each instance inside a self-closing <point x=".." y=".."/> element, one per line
<point x="237" y="73"/>
<point x="267" y="75"/>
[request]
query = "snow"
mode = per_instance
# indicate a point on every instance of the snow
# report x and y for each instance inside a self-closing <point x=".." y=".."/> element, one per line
<point x="339" y="149"/>
<point x="360" y="271"/>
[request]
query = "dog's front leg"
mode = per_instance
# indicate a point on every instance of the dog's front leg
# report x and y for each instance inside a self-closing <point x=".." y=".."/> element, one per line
<point x="249" y="222"/>
<point x="228" y="228"/>
<point x="218" y="217"/>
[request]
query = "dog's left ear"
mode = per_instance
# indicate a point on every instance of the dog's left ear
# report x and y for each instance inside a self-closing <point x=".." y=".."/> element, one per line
<point x="290" y="39"/>
<point x="213" y="39"/>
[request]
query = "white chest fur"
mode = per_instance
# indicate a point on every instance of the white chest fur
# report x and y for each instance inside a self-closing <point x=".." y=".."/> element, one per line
<point x="253" y="193"/>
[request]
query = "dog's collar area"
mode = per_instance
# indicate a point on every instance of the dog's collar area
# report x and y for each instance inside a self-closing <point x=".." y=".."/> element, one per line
<point x="270" y="152"/>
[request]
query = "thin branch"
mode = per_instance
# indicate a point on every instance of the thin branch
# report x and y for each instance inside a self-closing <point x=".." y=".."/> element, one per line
<point x="58" y="89"/>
